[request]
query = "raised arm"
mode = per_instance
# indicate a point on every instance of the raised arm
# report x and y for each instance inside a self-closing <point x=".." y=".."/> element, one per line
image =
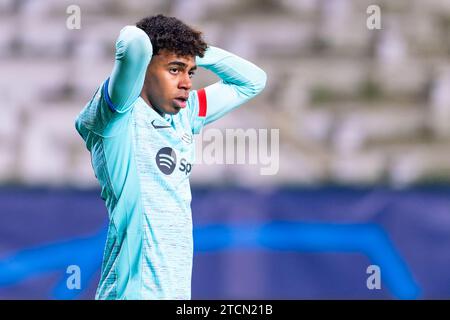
<point x="133" y="54"/>
<point x="241" y="80"/>
<point x="105" y="114"/>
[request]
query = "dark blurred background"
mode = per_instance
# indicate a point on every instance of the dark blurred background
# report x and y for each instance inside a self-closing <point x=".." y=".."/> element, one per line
<point x="364" y="150"/>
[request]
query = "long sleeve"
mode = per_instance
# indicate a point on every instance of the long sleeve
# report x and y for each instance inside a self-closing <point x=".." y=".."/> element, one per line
<point x="133" y="54"/>
<point x="240" y="81"/>
<point x="107" y="112"/>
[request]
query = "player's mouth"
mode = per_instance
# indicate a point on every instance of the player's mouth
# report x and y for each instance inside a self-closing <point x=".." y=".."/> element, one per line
<point x="181" y="101"/>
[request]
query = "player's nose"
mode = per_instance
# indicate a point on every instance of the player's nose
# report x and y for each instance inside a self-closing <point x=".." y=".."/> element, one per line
<point x="185" y="82"/>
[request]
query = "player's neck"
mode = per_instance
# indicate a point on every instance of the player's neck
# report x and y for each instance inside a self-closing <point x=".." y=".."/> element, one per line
<point x="147" y="101"/>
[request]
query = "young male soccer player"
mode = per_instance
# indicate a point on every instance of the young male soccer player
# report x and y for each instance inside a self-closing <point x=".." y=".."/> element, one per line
<point x="139" y="130"/>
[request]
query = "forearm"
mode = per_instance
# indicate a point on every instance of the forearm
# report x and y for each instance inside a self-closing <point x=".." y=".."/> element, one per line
<point x="241" y="81"/>
<point x="133" y="54"/>
<point x="234" y="70"/>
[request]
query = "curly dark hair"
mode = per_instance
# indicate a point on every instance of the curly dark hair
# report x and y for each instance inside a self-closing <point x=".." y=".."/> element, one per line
<point x="173" y="35"/>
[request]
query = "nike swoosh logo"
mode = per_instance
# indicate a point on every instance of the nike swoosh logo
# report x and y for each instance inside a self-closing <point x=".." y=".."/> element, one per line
<point x="158" y="127"/>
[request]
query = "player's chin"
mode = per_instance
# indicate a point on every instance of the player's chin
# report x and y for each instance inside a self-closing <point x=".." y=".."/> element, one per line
<point x="174" y="109"/>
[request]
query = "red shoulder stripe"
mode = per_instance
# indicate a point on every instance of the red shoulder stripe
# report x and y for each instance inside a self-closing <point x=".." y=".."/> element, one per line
<point x="202" y="102"/>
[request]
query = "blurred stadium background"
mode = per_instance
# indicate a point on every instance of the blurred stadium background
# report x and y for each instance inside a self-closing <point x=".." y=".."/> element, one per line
<point x="364" y="167"/>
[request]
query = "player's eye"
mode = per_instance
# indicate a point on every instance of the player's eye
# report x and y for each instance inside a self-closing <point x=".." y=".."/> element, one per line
<point x="191" y="74"/>
<point x="173" y="70"/>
